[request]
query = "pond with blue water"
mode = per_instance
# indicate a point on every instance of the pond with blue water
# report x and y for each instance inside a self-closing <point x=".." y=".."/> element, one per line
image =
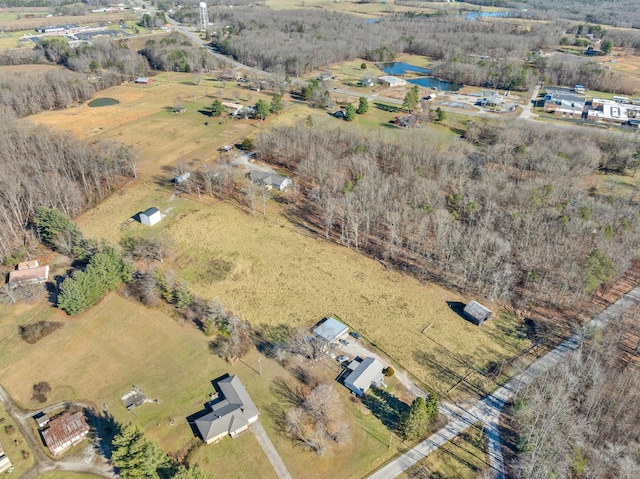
<point x="401" y="68"/>
<point x="476" y="15"/>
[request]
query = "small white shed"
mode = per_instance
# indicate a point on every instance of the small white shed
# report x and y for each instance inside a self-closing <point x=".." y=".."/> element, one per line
<point x="150" y="217"/>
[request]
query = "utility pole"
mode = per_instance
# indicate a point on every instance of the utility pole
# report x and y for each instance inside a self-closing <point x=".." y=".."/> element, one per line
<point x="260" y="365"/>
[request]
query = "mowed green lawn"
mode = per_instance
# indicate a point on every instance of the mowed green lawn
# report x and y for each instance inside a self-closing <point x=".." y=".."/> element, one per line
<point x="14" y="444"/>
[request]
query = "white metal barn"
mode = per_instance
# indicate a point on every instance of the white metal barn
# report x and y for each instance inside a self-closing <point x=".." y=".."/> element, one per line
<point x="150" y="217"/>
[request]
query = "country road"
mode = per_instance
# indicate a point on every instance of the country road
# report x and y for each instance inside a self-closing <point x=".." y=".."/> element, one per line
<point x="489" y="409"/>
<point x="42" y="462"/>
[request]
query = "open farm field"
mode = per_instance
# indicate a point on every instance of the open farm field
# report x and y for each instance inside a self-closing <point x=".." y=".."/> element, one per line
<point x="67" y="475"/>
<point x="120" y="343"/>
<point x="462" y="458"/>
<point x="43" y="21"/>
<point x="8" y="71"/>
<point x="143" y="120"/>
<point x="276" y="273"/>
<point x="13" y="443"/>
<point x="352" y="7"/>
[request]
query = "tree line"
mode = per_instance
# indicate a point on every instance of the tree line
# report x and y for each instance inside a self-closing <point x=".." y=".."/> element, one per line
<point x="42" y="167"/>
<point x="506" y="212"/>
<point x="579" y="419"/>
<point x="176" y="53"/>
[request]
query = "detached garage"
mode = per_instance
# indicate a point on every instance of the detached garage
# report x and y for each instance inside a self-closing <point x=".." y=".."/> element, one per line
<point x="150" y="217"/>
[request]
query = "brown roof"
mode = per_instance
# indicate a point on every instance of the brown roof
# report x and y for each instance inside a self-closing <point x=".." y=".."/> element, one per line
<point x="20" y="275"/>
<point x="65" y="429"/>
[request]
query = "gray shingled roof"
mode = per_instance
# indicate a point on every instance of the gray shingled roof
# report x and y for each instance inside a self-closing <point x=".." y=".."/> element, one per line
<point x="231" y="413"/>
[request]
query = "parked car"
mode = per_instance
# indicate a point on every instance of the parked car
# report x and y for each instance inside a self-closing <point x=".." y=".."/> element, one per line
<point x="344" y="341"/>
<point x="355" y="335"/>
<point x="342" y="359"/>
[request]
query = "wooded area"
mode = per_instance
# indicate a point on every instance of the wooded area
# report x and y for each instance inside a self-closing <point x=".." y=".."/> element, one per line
<point x="507" y="212"/>
<point x="42" y="167"/>
<point x="580" y="418"/>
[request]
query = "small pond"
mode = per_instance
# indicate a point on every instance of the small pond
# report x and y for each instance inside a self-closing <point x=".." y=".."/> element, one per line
<point x="400" y="68"/>
<point x="103" y="102"/>
<point x="431" y="82"/>
<point x="476" y="15"/>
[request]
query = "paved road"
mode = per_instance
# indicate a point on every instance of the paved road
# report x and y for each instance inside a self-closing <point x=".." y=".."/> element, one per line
<point x="488" y="410"/>
<point x="270" y="451"/>
<point x="44" y="463"/>
<point x="527" y="110"/>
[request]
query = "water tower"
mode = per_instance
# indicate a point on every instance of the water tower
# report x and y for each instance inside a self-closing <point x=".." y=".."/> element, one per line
<point x="204" y="16"/>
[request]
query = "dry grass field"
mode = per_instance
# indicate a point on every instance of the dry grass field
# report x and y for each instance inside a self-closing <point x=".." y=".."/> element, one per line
<point x="9" y="71"/>
<point x="281" y="275"/>
<point x="462" y="458"/>
<point x="13" y="443"/>
<point x="144" y="122"/>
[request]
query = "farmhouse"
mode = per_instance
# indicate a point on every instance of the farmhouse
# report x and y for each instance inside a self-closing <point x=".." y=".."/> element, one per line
<point x="477" y="313"/>
<point x="5" y="462"/>
<point x="231" y="412"/>
<point x="270" y="180"/>
<point x="21" y="277"/>
<point x="330" y="329"/>
<point x="64" y="432"/>
<point x="392" y="81"/>
<point x="143" y="80"/>
<point x="363" y="375"/>
<point x="150" y="217"/>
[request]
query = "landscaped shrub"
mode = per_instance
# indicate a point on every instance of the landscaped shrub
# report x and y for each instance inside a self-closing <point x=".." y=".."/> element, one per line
<point x="32" y="333"/>
<point x="389" y="372"/>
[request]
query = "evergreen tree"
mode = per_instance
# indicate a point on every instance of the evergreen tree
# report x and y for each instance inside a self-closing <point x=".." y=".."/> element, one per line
<point x="440" y="114"/>
<point x="363" y="106"/>
<point x="350" y="112"/>
<point x="415" y="424"/>
<point x="607" y="47"/>
<point x="138" y="457"/>
<point x="262" y="109"/>
<point x="194" y="473"/>
<point x="217" y="108"/>
<point x="51" y="223"/>
<point x="412" y="98"/>
<point x="276" y="104"/>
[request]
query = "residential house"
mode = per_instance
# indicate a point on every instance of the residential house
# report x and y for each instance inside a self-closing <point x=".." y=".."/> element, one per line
<point x="270" y="180"/>
<point x="231" y="412"/>
<point x="368" y="82"/>
<point x="477" y="313"/>
<point x="150" y="217"/>
<point x="5" y="462"/>
<point x="364" y="374"/>
<point x="21" y="277"/>
<point x="65" y="431"/>
<point x="330" y="330"/>
<point x="392" y="81"/>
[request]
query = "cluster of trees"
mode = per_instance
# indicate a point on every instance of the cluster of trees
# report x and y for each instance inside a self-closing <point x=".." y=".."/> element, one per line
<point x="562" y="69"/>
<point x="42" y="167"/>
<point x="176" y="53"/>
<point x="579" y="419"/>
<point x="113" y="55"/>
<point x="315" y="420"/>
<point x="415" y="424"/>
<point x="506" y="212"/>
<point x="40" y="391"/>
<point x="106" y="271"/>
<point x="49" y="91"/>
<point x="34" y="332"/>
<point x="136" y="456"/>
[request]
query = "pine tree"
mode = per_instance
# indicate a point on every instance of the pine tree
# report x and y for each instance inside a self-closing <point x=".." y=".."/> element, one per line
<point x="350" y="112"/>
<point x="412" y="98"/>
<point x="51" y="223"/>
<point x="363" y="106"/>
<point x="262" y="109"/>
<point x="416" y="422"/>
<point x="276" y="104"/>
<point x="217" y="108"/>
<point x="138" y="457"/>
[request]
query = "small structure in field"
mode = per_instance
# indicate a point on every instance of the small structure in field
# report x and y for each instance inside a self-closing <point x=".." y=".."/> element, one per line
<point x="5" y="462"/>
<point x="270" y="180"/>
<point x="181" y="178"/>
<point x="150" y="217"/>
<point x="65" y="431"/>
<point x="409" y="121"/>
<point x="364" y="374"/>
<point x="231" y="412"/>
<point x="21" y="277"/>
<point x="477" y="313"/>
<point x="41" y="419"/>
<point x="143" y="81"/>
<point x="134" y="398"/>
<point x="392" y="81"/>
<point x="331" y="330"/>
